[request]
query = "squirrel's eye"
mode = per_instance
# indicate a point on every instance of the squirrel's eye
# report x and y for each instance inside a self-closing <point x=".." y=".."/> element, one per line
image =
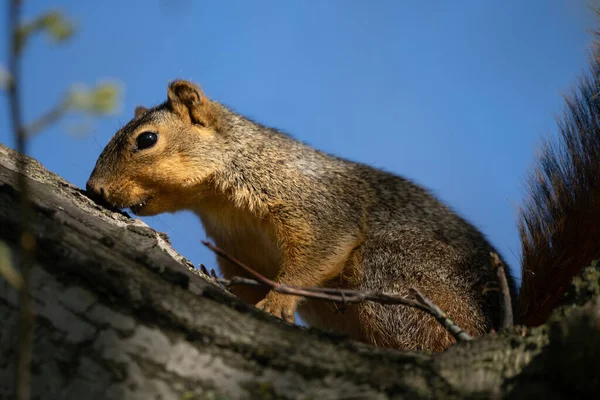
<point x="146" y="140"/>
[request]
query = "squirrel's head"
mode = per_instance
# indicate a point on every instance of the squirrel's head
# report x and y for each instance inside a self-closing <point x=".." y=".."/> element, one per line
<point x="162" y="159"/>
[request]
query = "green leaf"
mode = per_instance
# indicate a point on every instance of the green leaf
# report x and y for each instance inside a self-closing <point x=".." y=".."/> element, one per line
<point x="105" y="98"/>
<point x="54" y="23"/>
<point x="100" y="100"/>
<point x="57" y="26"/>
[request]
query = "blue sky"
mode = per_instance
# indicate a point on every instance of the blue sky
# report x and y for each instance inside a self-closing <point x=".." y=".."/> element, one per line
<point x="454" y="95"/>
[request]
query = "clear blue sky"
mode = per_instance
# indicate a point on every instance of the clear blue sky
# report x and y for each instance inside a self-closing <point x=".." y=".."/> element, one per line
<point x="454" y="95"/>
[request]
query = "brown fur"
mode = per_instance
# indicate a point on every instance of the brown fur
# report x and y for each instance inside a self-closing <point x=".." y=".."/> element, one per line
<point x="304" y="218"/>
<point x="559" y="222"/>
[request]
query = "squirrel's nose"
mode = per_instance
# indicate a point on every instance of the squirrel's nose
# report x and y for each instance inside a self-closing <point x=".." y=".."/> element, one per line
<point x="96" y="191"/>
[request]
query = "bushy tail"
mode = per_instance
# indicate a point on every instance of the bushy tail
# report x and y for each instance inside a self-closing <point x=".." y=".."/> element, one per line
<point x="560" y="221"/>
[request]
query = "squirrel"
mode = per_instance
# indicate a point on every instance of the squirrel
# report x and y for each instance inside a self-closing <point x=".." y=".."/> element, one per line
<point x="307" y="218"/>
<point x="304" y="218"/>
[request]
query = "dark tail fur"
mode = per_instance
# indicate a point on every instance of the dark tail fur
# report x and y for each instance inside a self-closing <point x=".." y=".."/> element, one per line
<point x="560" y="221"/>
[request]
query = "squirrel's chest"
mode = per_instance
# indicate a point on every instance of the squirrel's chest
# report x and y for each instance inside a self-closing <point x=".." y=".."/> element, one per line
<point x="243" y="236"/>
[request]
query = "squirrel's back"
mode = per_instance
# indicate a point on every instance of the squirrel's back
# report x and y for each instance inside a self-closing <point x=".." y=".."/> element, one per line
<point x="415" y="240"/>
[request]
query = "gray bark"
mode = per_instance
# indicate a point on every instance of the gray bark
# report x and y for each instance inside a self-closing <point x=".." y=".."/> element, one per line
<point x="120" y="315"/>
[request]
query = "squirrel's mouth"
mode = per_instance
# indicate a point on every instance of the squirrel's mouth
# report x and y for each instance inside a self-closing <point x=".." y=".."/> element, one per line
<point x="136" y="208"/>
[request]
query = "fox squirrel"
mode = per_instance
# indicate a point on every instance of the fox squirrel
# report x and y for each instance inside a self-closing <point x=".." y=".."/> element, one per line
<point x="307" y="218"/>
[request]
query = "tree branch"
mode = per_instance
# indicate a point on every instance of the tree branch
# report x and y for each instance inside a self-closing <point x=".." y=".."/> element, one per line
<point x="115" y="302"/>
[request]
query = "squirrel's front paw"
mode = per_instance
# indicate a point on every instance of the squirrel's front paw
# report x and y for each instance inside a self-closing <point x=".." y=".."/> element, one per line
<point x="280" y="305"/>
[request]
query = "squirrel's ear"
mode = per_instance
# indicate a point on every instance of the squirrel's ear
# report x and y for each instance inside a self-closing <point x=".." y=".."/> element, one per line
<point x="188" y="101"/>
<point x="139" y="110"/>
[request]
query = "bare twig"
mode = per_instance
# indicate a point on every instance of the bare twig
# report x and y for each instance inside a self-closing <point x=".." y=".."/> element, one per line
<point x="50" y="117"/>
<point x="507" y="320"/>
<point x="344" y="296"/>
<point x="459" y="334"/>
<point x="18" y="33"/>
<point x="331" y="294"/>
<point x="27" y="240"/>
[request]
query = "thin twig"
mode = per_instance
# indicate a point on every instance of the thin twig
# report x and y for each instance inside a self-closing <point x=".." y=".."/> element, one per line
<point x="344" y="296"/>
<point x="27" y="240"/>
<point x="331" y="294"/>
<point x="508" y="318"/>
<point x="459" y="334"/>
<point x="50" y="117"/>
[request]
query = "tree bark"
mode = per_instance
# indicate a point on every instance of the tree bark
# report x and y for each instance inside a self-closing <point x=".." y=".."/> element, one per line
<point x="119" y="314"/>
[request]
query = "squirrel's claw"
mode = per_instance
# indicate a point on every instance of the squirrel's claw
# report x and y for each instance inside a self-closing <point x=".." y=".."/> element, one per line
<point x="280" y="305"/>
